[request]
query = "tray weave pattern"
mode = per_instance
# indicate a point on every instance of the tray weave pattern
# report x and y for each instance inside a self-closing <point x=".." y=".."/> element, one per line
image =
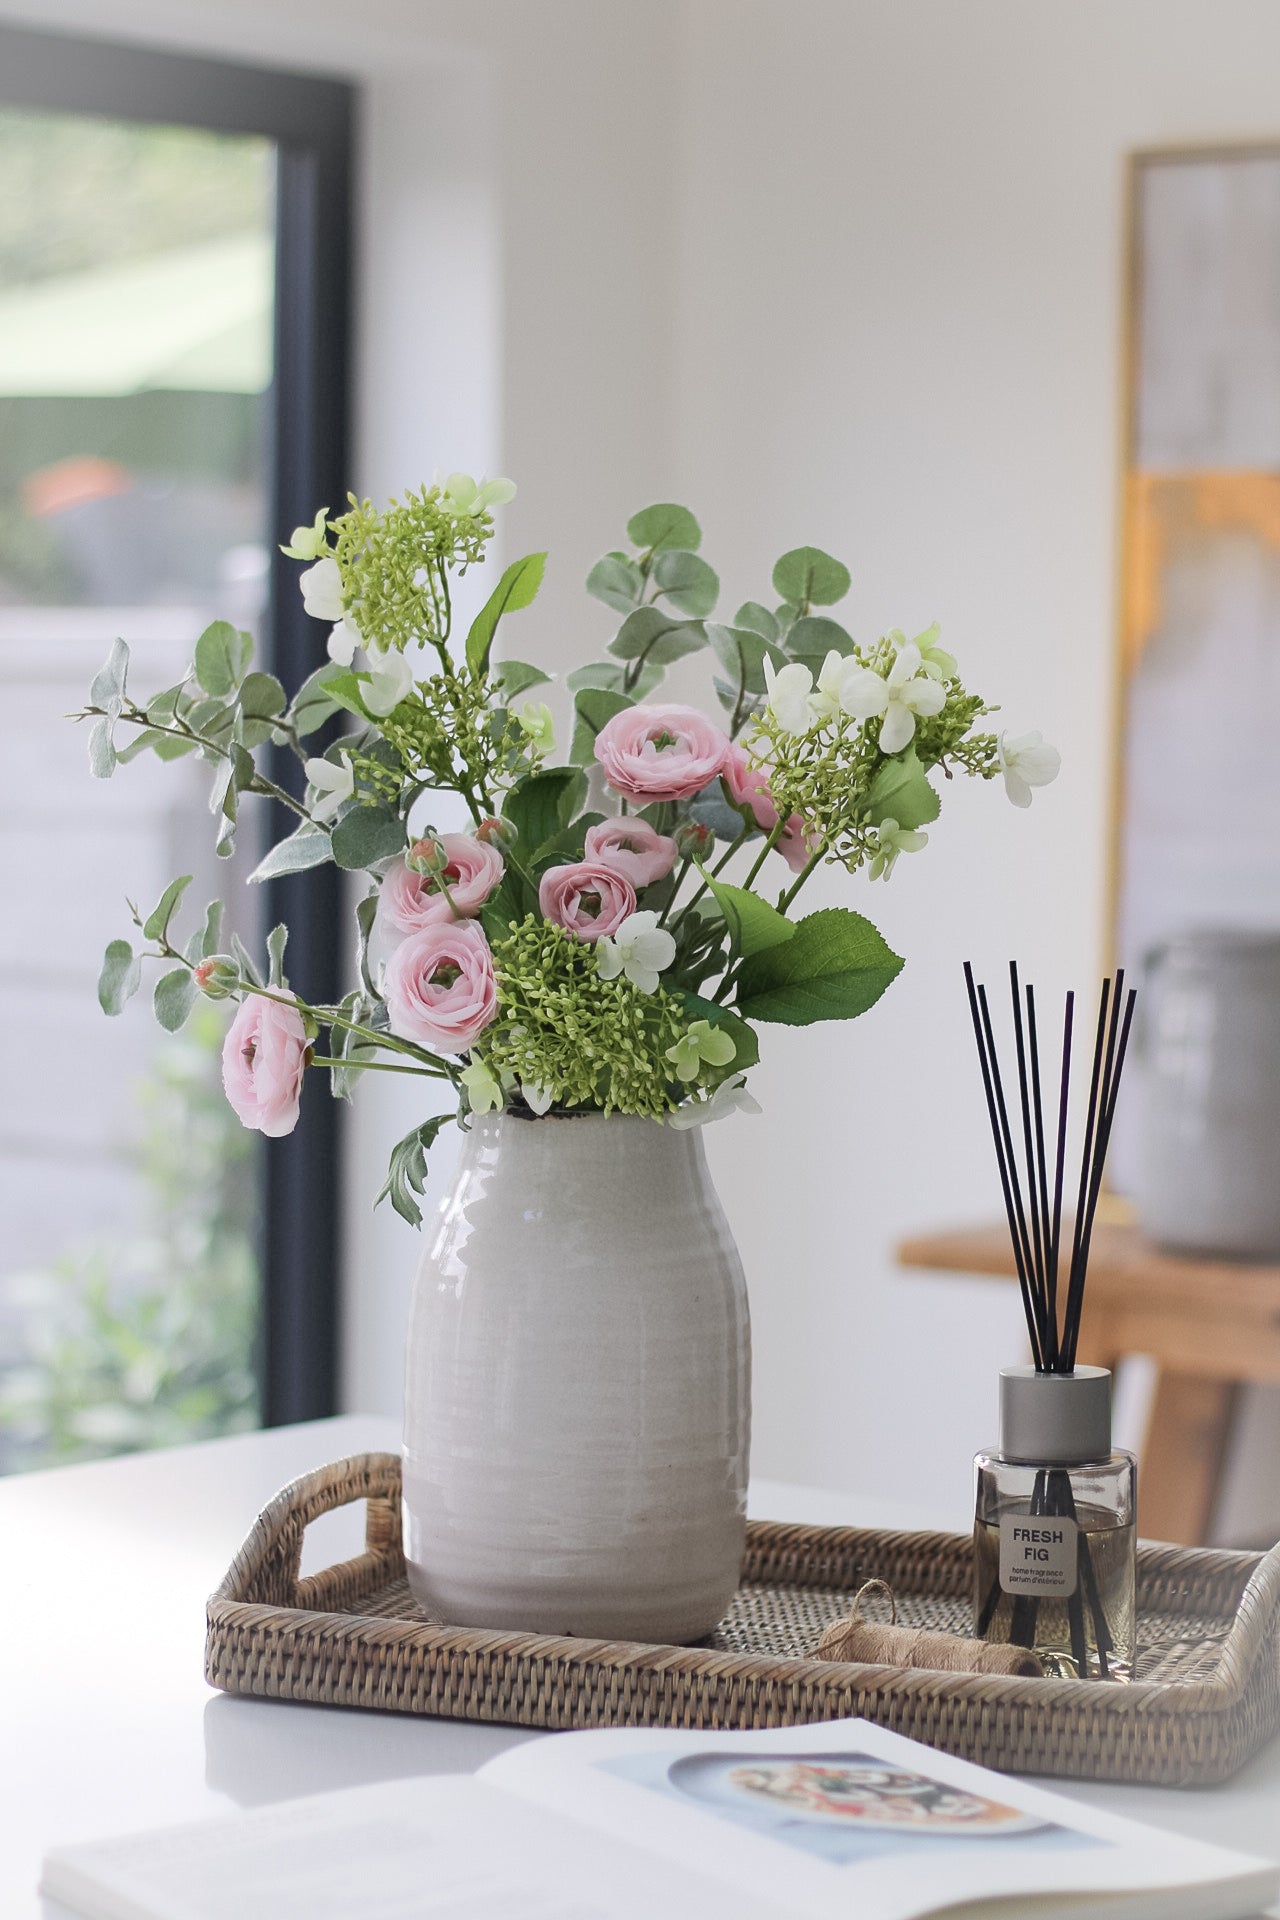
<point x="1206" y="1694"/>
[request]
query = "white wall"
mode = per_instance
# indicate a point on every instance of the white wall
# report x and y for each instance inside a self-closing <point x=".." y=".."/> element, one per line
<point x="835" y="270"/>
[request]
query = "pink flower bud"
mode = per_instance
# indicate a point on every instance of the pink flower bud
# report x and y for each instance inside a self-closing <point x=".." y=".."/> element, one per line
<point x="694" y="840"/>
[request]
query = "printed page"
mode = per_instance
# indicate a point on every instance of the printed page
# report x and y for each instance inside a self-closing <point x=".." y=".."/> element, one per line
<point x="847" y="1818"/>
<point x="445" y="1846"/>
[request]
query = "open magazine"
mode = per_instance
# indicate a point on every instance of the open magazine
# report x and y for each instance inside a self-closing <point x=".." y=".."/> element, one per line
<point x="839" y="1819"/>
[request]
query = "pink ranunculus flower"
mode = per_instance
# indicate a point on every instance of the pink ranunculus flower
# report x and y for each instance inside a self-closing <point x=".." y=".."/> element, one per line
<point x="264" y="1057"/>
<point x="586" y="898"/>
<point x="660" y="753"/>
<point x="440" y="988"/>
<point x="410" y="900"/>
<point x="749" y="786"/>
<point x="632" y="848"/>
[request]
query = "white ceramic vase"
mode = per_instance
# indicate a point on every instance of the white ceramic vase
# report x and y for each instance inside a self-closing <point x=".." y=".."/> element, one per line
<point x="577" y="1404"/>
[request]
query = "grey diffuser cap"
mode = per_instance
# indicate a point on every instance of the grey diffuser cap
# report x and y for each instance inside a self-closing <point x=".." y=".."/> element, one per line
<point x="1055" y="1419"/>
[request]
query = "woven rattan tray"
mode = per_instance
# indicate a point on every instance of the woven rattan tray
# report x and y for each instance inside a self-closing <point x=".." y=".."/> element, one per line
<point x="1206" y="1696"/>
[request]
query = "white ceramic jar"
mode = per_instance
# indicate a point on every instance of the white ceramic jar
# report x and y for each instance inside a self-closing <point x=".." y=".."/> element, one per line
<point x="1209" y="1163"/>
<point x="577" y="1404"/>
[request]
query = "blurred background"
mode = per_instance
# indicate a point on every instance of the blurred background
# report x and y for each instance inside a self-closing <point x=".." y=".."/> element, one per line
<point x="983" y="299"/>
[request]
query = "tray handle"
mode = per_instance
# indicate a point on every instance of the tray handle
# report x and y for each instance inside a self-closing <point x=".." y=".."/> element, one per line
<point x="265" y="1571"/>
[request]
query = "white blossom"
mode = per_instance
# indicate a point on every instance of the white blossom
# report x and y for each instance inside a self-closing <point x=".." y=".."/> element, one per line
<point x="790" y="692"/>
<point x="334" y="782"/>
<point x="484" y="1094"/>
<point x="343" y="641"/>
<point x="535" y="1096"/>
<point x="322" y="589"/>
<point x="308" y="543"/>
<point x="1027" y="761"/>
<point x="640" y="949"/>
<point x="730" y="1096"/>
<point x="899" y="696"/>
<point x="891" y="840"/>
<point x="389" y="679"/>
<point x="934" y="660"/>
<point x="467" y="498"/>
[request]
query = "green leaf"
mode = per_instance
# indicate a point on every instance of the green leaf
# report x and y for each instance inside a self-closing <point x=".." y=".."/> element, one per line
<point x="542" y="804"/>
<point x="754" y="926"/>
<point x="617" y="581"/>
<point x="312" y="705"/>
<point x="407" y="1174"/>
<point x="162" y="707"/>
<point x="248" y="965"/>
<point x="743" y="1036"/>
<point x="109" y="681"/>
<point x="365" y="836"/>
<point x="262" y="699"/>
<point x="901" y="792"/>
<point x="156" y="925"/>
<point x="277" y="940"/>
<point x="592" y="709"/>
<point x="222" y="654"/>
<point x="366" y="913"/>
<point x="308" y="847"/>
<point x="758" y="619"/>
<point x="167" y="747"/>
<point x="515" y="677"/>
<point x="834" y="969"/>
<point x="686" y="581"/>
<point x="102" y="753"/>
<point x="814" y="636"/>
<point x="665" y="525"/>
<point x="120" y="978"/>
<point x="211" y="934"/>
<point x="742" y="654"/>
<point x="174" y="997"/>
<point x="656" y="637"/>
<point x="808" y="577"/>
<point x="517" y="588"/>
<point x="608" y="676"/>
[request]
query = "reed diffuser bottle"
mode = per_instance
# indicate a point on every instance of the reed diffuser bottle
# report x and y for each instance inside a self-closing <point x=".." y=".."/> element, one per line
<point x="1055" y="1533"/>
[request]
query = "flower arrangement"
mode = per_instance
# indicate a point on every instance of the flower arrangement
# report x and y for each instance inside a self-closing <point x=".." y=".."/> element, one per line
<point x="557" y="956"/>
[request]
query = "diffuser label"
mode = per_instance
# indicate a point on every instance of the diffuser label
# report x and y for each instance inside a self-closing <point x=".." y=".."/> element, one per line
<point x="1037" y="1555"/>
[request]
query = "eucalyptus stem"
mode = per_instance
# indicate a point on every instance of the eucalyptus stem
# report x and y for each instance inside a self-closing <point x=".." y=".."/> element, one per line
<point x="374" y="1066"/>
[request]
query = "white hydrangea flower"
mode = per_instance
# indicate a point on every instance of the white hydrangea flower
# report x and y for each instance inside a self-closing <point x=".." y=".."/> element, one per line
<point x="484" y="1094"/>
<point x="389" y="679"/>
<point x="899" y="696"/>
<point x="891" y="840"/>
<point x="308" y="543"/>
<point x="934" y="660"/>
<point x="467" y="498"/>
<point x="1027" y="761"/>
<point x="730" y="1096"/>
<point x="343" y="641"/>
<point x="334" y="782"/>
<point x="790" y="693"/>
<point x="702" y="1043"/>
<point x="537" y="722"/>
<point x="535" y="1096"/>
<point x="640" y="949"/>
<point x="322" y="589"/>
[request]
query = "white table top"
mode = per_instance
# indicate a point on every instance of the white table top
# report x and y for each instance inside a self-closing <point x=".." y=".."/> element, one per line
<point x="108" y="1726"/>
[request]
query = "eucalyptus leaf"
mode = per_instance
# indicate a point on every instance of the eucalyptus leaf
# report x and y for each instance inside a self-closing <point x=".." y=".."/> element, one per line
<point x="742" y="654"/>
<point x="166" y="746"/>
<point x="262" y="700"/>
<point x="162" y="707"/>
<point x="617" y="581"/>
<point x="248" y="965"/>
<point x="836" y="967"/>
<point x="308" y="847"/>
<point x="366" y="836"/>
<point x="608" y="676"/>
<point x="593" y="707"/>
<point x="222" y="655"/>
<point x="515" y="677"/>
<point x="312" y="705"/>
<point x="901" y="792"/>
<point x="366" y="913"/>
<point x="665" y="525"/>
<point x="656" y="637"/>
<point x="813" y="636"/>
<point x="109" y="681"/>
<point x="102" y="752"/>
<point x="156" y="925"/>
<point x="517" y="588"/>
<point x="225" y="844"/>
<point x="120" y="977"/>
<point x="174" y="996"/>
<point x="759" y="619"/>
<point x="686" y="582"/>
<point x="211" y="935"/>
<point x="808" y="577"/>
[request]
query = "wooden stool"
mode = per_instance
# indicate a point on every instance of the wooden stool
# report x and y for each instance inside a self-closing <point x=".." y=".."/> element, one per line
<point x="1209" y="1325"/>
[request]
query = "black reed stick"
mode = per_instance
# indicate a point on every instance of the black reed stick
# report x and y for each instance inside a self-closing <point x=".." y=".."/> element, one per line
<point x="1058" y="1170"/>
<point x="1037" y="1236"/>
<point x="1048" y="1284"/>
<point x="1016" y="1234"/>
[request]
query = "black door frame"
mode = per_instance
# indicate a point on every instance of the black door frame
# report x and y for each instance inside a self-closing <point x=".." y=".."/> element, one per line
<point x="310" y="120"/>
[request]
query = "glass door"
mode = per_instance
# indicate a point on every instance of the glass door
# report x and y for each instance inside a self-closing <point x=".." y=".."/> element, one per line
<point x="142" y="493"/>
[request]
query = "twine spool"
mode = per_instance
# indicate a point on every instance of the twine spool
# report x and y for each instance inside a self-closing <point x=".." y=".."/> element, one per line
<point x="872" y="1644"/>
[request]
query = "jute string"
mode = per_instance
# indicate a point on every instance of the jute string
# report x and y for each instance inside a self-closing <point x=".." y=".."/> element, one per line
<point x="872" y="1644"/>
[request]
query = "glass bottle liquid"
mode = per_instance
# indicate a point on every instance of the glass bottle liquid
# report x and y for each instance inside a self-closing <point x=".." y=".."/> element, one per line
<point x="1055" y="1536"/>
